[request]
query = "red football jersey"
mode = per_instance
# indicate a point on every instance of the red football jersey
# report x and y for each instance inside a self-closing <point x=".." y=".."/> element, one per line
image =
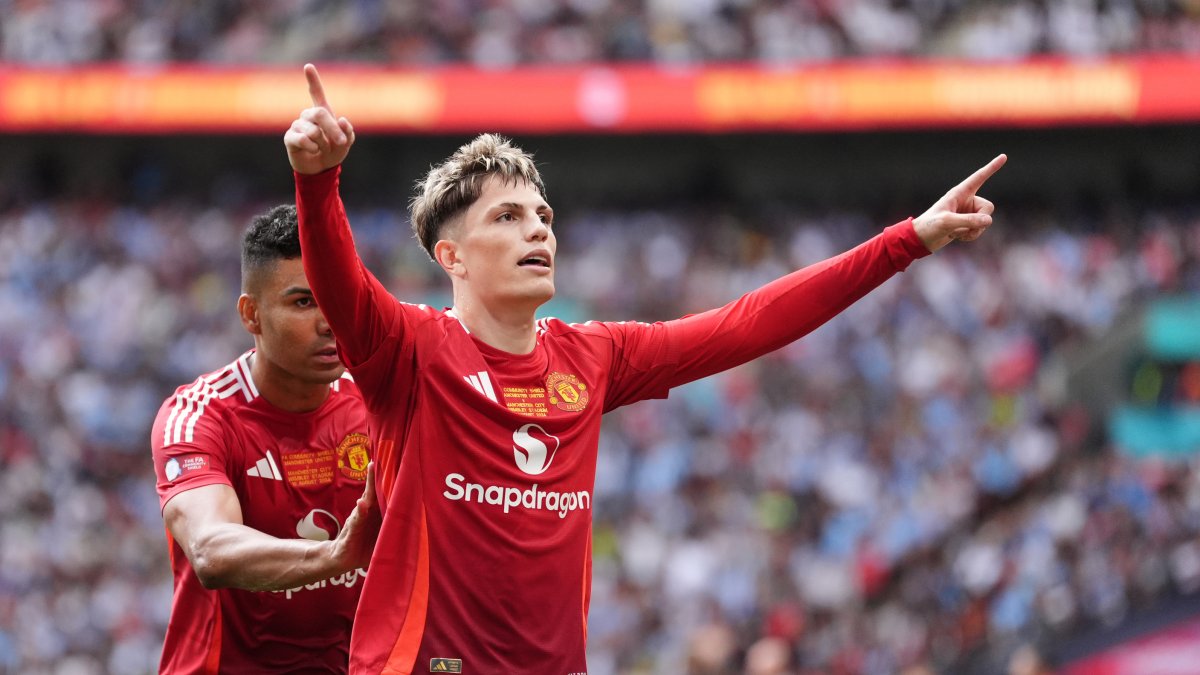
<point x="297" y="475"/>
<point x="487" y="459"/>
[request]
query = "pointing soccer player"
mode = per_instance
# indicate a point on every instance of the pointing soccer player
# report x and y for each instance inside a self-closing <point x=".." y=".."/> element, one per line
<point x="266" y="485"/>
<point x="487" y="420"/>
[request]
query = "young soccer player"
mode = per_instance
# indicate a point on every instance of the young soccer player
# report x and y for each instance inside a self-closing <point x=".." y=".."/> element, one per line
<point x="266" y="486"/>
<point x="487" y="419"/>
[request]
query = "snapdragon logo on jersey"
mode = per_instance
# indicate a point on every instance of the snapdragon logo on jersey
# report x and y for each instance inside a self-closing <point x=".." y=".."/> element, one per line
<point x="533" y="450"/>
<point x="321" y="525"/>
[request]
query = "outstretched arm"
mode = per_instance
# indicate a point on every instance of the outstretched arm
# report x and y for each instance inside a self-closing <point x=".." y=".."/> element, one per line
<point x="652" y="359"/>
<point x="206" y="522"/>
<point x="359" y="309"/>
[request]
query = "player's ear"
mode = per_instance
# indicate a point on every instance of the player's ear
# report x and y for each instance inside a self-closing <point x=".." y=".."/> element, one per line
<point x="445" y="252"/>
<point x="248" y="311"/>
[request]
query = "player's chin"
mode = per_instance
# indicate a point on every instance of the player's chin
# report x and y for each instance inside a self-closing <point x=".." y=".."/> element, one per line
<point x="541" y="289"/>
<point x="546" y="292"/>
<point x="326" y="372"/>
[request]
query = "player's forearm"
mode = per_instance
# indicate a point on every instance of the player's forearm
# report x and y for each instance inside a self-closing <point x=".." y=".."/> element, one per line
<point x="237" y="556"/>
<point x="331" y="261"/>
<point x="348" y="294"/>
<point x="793" y="306"/>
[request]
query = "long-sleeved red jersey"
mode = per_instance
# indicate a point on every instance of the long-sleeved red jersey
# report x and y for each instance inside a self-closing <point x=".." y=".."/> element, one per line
<point x="486" y="459"/>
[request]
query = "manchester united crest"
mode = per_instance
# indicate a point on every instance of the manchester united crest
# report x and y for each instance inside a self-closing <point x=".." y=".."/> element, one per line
<point x="566" y="392"/>
<point x="352" y="456"/>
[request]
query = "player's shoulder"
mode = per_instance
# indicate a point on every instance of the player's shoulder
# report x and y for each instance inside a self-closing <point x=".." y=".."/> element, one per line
<point x="226" y="387"/>
<point x="603" y="329"/>
<point x="206" y="401"/>
<point x="552" y="325"/>
<point x="420" y="312"/>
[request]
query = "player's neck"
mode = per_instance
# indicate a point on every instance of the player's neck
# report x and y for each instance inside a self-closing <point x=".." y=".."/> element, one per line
<point x="283" y="390"/>
<point x="514" y="332"/>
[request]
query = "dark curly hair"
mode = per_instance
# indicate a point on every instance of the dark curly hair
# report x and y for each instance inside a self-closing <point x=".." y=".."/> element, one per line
<point x="272" y="236"/>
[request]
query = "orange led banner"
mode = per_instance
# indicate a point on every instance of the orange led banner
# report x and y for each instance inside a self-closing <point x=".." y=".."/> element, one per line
<point x="840" y="96"/>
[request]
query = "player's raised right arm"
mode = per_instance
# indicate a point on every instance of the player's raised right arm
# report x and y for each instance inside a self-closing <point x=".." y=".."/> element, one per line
<point x="359" y="309"/>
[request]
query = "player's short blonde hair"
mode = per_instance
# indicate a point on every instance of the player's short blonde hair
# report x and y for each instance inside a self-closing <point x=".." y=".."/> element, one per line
<point x="452" y="186"/>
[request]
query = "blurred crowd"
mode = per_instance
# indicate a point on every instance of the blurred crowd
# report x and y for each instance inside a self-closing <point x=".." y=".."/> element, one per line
<point x="504" y="33"/>
<point x="892" y="493"/>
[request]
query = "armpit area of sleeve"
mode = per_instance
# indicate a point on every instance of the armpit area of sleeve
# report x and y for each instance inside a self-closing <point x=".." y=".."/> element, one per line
<point x="902" y="244"/>
<point x="318" y="185"/>
<point x="182" y="486"/>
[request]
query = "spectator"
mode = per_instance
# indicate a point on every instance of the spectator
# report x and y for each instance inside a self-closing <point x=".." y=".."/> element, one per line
<point x="872" y="501"/>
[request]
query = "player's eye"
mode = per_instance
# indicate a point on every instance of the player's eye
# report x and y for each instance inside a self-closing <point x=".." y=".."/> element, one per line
<point x="305" y="302"/>
<point x="507" y="217"/>
<point x="546" y="220"/>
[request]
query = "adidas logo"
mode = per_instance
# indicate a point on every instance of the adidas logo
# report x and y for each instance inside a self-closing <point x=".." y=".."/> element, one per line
<point x="445" y="665"/>
<point x="265" y="468"/>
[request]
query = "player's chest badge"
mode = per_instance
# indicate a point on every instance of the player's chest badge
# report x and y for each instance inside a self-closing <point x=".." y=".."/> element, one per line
<point x="352" y="456"/>
<point x="566" y="391"/>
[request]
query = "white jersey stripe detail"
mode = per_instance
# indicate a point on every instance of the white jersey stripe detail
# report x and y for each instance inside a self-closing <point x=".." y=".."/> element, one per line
<point x="197" y="397"/>
<point x="454" y="315"/>
<point x="191" y="398"/>
<point x="202" y="400"/>
<point x="237" y="371"/>
<point x="274" y="468"/>
<point x="195" y="417"/>
<point x="487" y="385"/>
<point x="483" y="384"/>
<point x="190" y="403"/>
<point x="225" y="381"/>
<point x="243" y="364"/>
<point x="181" y="401"/>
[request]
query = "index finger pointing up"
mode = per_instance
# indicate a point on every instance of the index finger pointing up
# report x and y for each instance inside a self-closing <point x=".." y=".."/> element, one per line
<point x="316" y="90"/>
<point x="977" y="179"/>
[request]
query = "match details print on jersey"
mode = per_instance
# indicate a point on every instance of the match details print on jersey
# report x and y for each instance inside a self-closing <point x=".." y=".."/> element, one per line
<point x="562" y="390"/>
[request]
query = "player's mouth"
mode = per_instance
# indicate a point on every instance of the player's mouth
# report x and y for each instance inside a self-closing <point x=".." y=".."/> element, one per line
<point x="539" y="260"/>
<point x="327" y="355"/>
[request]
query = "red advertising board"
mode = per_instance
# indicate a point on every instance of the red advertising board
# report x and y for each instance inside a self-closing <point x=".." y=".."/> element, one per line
<point x="621" y="99"/>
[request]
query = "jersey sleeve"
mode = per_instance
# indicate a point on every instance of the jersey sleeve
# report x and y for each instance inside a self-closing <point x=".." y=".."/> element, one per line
<point x="188" y="444"/>
<point x="360" y="311"/>
<point x="650" y="359"/>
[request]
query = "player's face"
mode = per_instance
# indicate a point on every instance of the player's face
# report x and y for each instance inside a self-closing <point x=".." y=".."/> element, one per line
<point x="293" y="336"/>
<point x="506" y="245"/>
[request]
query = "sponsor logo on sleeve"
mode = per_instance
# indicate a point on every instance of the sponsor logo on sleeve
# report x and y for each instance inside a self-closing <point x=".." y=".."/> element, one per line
<point x="179" y="466"/>
<point x="566" y="392"/>
<point x="352" y="456"/>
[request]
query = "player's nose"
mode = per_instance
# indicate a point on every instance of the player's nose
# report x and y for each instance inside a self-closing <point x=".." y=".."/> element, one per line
<point x="538" y="231"/>
<point x="323" y="328"/>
